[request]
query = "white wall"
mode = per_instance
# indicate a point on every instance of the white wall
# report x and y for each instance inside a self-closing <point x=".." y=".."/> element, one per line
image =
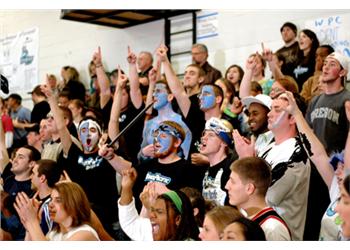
<point x="65" y="42"/>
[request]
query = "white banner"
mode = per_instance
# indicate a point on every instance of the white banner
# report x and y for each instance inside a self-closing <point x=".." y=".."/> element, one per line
<point x="332" y="30"/>
<point x="19" y="60"/>
<point x="207" y="25"/>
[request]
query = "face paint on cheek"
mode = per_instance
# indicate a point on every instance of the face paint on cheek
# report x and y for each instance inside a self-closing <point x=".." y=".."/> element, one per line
<point x="161" y="96"/>
<point x="164" y="141"/>
<point x="207" y="98"/>
<point x="89" y="138"/>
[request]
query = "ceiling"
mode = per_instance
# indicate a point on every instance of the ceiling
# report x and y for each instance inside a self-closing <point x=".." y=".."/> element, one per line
<point x="120" y="18"/>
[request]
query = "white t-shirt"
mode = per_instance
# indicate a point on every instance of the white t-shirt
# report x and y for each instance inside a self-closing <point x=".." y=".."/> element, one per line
<point x="59" y="236"/>
<point x="331" y="222"/>
<point x="289" y="194"/>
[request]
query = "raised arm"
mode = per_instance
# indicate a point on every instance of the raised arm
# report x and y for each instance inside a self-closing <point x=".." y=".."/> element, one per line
<point x="63" y="131"/>
<point x="4" y="157"/>
<point x="117" y="162"/>
<point x="113" y="125"/>
<point x="244" y="89"/>
<point x="135" y="91"/>
<point x="347" y="145"/>
<point x="174" y="83"/>
<point x="102" y="78"/>
<point x="272" y="61"/>
<point x="318" y="154"/>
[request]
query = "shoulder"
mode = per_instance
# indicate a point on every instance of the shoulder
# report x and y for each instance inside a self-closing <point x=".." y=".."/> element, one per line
<point x="83" y="232"/>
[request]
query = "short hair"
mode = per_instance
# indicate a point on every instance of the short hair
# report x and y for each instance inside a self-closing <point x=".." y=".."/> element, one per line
<point x="67" y="113"/>
<point x="222" y="216"/>
<point x="255" y="170"/>
<point x="34" y="154"/>
<point x="255" y="86"/>
<point x="64" y="93"/>
<point x="200" y="46"/>
<point x="75" y="202"/>
<point x="329" y="48"/>
<point x="288" y="83"/>
<point x="79" y="104"/>
<point x="16" y="97"/>
<point x="201" y="71"/>
<point x="217" y="90"/>
<point x="290" y="25"/>
<point x="50" y="170"/>
<point x="176" y="126"/>
<point x="37" y="91"/>
<point x="149" y="54"/>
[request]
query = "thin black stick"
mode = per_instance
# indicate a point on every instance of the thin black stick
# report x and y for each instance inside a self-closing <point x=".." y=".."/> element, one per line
<point x="130" y="124"/>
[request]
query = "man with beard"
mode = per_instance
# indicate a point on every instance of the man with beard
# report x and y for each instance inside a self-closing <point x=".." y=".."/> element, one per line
<point x="167" y="167"/>
<point x="162" y="98"/>
<point x="258" y="107"/>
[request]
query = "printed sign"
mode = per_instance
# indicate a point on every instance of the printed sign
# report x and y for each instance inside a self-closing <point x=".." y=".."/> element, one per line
<point x="207" y="25"/>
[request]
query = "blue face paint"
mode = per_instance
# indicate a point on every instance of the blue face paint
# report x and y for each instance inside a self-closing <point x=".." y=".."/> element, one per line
<point x="165" y="141"/>
<point x="207" y="98"/>
<point x="161" y="95"/>
<point x="89" y="134"/>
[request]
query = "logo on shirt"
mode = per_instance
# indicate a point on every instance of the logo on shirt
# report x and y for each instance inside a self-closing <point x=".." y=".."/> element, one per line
<point x="157" y="177"/>
<point x="90" y="163"/>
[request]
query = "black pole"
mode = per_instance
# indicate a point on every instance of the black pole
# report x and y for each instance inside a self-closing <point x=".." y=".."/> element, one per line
<point x="130" y="124"/>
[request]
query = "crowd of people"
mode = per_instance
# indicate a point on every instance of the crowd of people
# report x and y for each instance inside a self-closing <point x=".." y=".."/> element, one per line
<point x="147" y="156"/>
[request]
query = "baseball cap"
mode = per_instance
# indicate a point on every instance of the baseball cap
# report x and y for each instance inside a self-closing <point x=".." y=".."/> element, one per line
<point x="262" y="99"/>
<point x="221" y="127"/>
<point x="34" y="128"/>
<point x="343" y="60"/>
<point x="36" y="90"/>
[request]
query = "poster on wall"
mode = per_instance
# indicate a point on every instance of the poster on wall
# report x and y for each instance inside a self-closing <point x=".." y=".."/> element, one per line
<point x="207" y="25"/>
<point x="332" y="30"/>
<point x="19" y="60"/>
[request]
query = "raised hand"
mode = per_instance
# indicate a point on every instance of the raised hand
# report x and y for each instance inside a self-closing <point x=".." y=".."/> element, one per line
<point x="122" y="79"/>
<point x="128" y="178"/>
<point x="131" y="56"/>
<point x="46" y="88"/>
<point x="97" y="57"/>
<point x="292" y="107"/>
<point x="243" y="146"/>
<point x="251" y="63"/>
<point x="162" y="53"/>
<point x="148" y="195"/>
<point x="266" y="53"/>
<point x="148" y="151"/>
<point x="106" y="152"/>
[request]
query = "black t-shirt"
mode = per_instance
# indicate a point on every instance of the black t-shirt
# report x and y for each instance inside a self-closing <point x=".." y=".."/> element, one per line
<point x="291" y="55"/>
<point x="214" y="182"/>
<point x="76" y="90"/>
<point x="174" y="175"/>
<point x="195" y="121"/>
<point x="97" y="177"/>
<point x="13" y="187"/>
<point x="39" y="112"/>
<point x="130" y="142"/>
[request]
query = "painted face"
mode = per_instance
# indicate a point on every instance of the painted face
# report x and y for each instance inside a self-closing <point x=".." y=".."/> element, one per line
<point x="234" y="231"/>
<point x="277" y="117"/>
<point x="163" y="140"/>
<point x="56" y="210"/>
<point x="207" y="98"/>
<point x="209" y="231"/>
<point x="162" y="220"/>
<point x="89" y="134"/>
<point x="160" y="96"/>
<point x="236" y="190"/>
